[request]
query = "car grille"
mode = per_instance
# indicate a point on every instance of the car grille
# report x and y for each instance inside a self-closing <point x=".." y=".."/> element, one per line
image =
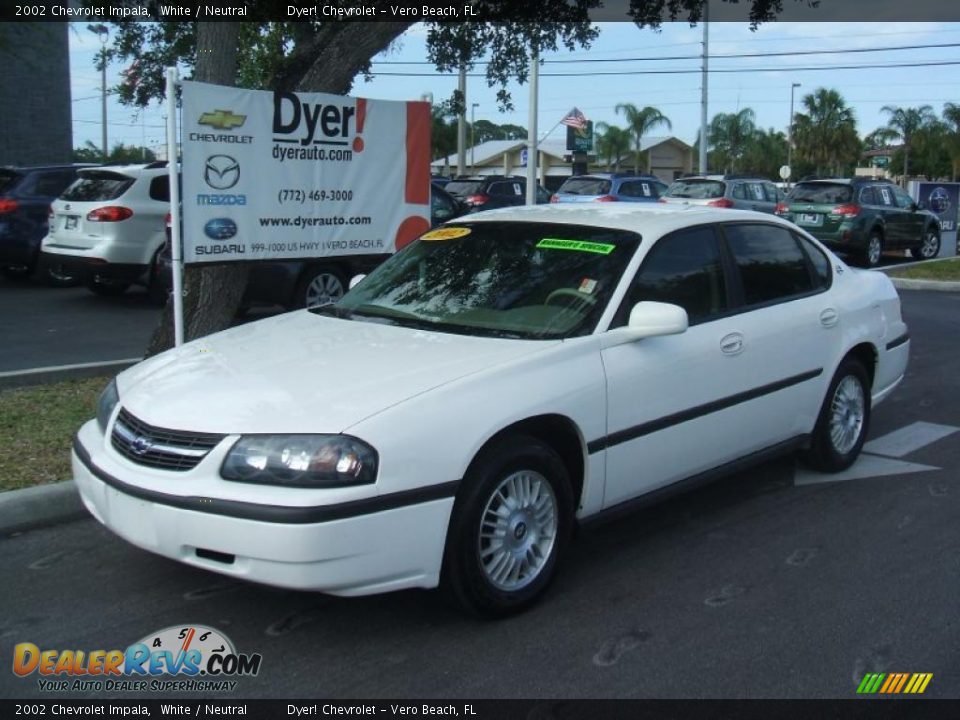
<point x="158" y="448"/>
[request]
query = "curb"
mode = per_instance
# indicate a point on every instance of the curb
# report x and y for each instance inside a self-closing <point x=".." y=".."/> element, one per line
<point x="55" y="373"/>
<point x="936" y="285"/>
<point x="39" y="506"/>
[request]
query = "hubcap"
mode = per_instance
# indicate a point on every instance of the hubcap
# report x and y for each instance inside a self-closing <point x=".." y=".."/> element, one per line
<point x="324" y="288"/>
<point x="847" y="410"/>
<point x="873" y="252"/>
<point x="930" y="246"/>
<point x="518" y="529"/>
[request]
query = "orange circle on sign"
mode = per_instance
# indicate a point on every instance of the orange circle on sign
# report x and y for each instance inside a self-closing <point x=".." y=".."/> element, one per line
<point x="358" y="144"/>
<point x="410" y="229"/>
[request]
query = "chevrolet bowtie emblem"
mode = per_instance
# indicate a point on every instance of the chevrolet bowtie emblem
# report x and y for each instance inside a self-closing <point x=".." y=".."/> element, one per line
<point x="222" y="119"/>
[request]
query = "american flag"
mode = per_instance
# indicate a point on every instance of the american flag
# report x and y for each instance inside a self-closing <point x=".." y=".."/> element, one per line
<point x="575" y="119"/>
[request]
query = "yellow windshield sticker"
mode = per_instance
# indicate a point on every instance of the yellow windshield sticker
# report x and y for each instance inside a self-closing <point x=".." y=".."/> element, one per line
<point x="446" y="233"/>
<point x="581" y="245"/>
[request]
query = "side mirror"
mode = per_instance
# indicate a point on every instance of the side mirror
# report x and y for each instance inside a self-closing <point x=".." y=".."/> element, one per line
<point x="649" y="319"/>
<point x="356" y="279"/>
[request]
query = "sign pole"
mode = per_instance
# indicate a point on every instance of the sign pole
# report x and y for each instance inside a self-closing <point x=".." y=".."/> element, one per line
<point x="173" y="168"/>
<point x="532" y="129"/>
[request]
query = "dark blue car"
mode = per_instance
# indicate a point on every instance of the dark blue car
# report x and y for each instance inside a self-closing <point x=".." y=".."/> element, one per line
<point x="25" y="197"/>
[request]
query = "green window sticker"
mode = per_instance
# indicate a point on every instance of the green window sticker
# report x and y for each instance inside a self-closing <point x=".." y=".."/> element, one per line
<point x="580" y="245"/>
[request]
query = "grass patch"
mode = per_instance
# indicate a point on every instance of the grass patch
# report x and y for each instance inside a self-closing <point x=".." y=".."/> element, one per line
<point x="946" y="269"/>
<point x="37" y="425"/>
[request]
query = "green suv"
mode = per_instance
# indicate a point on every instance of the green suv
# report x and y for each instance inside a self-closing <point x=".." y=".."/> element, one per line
<point x="863" y="218"/>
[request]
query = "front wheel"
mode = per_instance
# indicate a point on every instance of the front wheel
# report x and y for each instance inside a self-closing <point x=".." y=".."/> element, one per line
<point x="929" y="248"/>
<point x="844" y="419"/>
<point x="319" y="286"/>
<point x="510" y="525"/>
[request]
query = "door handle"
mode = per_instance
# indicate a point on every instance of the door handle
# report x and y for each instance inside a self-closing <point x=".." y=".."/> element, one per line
<point x="829" y="317"/>
<point x="731" y="344"/>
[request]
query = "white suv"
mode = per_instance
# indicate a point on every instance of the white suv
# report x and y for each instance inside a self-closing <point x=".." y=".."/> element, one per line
<point x="108" y="227"/>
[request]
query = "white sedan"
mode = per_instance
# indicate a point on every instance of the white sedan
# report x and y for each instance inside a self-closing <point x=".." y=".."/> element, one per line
<point x="452" y="417"/>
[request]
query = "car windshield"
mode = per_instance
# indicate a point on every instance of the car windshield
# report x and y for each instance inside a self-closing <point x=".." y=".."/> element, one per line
<point x="8" y="180"/>
<point x="696" y="189"/>
<point x="586" y="186"/>
<point x="97" y="186"/>
<point x="821" y="193"/>
<point x="464" y="187"/>
<point x="528" y="280"/>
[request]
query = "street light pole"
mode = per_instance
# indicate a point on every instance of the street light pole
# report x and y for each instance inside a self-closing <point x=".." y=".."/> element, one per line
<point x="473" y="106"/>
<point x="793" y="86"/>
<point x="102" y="30"/>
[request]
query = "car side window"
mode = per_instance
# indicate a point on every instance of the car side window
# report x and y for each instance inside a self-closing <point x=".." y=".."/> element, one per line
<point x="867" y="196"/>
<point x="739" y="191"/>
<point x="772" y="267"/>
<point x="685" y="269"/>
<point x="756" y="191"/>
<point x="160" y="188"/>
<point x="884" y="195"/>
<point x="819" y="262"/>
<point x="903" y="200"/>
<point x="771" y="192"/>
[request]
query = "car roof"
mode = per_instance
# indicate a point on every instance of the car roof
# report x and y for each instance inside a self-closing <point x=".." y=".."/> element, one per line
<point x="35" y="168"/>
<point x="131" y="170"/>
<point x="649" y="220"/>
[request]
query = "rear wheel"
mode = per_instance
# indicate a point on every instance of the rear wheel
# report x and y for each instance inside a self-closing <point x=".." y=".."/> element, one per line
<point x="156" y="287"/>
<point x="57" y="276"/>
<point x="16" y="272"/>
<point x="319" y="285"/>
<point x="871" y="254"/>
<point x="510" y="525"/>
<point x="105" y="288"/>
<point x="929" y="248"/>
<point x="844" y="419"/>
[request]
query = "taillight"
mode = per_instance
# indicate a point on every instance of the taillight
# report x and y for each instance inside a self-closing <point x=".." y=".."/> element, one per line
<point x="168" y="220"/>
<point x="782" y="209"/>
<point x="7" y="205"/>
<point x="722" y="202"/>
<point x="606" y="198"/>
<point x="475" y="199"/>
<point x="663" y="200"/>
<point x="846" y="210"/>
<point x="554" y="198"/>
<point x="111" y="213"/>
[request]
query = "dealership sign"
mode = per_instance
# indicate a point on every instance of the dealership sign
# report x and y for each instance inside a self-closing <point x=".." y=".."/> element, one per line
<point x="283" y="175"/>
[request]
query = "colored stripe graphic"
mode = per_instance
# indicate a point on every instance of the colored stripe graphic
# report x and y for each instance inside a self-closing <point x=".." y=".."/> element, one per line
<point x="894" y="683"/>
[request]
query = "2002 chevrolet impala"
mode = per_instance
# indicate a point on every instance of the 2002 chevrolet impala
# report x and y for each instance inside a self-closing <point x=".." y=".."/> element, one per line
<point x="451" y="418"/>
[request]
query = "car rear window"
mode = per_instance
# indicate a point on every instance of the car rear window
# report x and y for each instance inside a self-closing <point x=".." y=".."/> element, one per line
<point x="98" y="185"/>
<point x="822" y="193"/>
<point x="9" y="180"/>
<point x="464" y="187"/>
<point x="697" y="189"/>
<point x="586" y="186"/>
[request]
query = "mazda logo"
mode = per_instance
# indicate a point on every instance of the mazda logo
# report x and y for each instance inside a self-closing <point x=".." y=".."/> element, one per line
<point x="140" y="445"/>
<point x="221" y="172"/>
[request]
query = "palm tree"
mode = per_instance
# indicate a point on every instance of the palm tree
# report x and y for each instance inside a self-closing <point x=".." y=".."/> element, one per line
<point x="826" y="134"/>
<point x="951" y="116"/>
<point x="640" y="122"/>
<point x="729" y="134"/>
<point x="765" y="152"/>
<point x="612" y="144"/>
<point x="905" y="122"/>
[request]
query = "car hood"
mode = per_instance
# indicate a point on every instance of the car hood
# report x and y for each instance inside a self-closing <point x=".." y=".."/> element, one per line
<point x="302" y="372"/>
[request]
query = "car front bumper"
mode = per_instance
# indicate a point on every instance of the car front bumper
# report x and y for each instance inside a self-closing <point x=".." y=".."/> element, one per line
<point x="359" y="552"/>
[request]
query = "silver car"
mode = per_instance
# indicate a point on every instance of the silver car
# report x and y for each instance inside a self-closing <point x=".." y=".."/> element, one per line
<point x="726" y="191"/>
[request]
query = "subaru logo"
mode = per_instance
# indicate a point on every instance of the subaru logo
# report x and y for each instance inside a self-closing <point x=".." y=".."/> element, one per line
<point x="140" y="445"/>
<point x="220" y="229"/>
<point x="221" y="172"/>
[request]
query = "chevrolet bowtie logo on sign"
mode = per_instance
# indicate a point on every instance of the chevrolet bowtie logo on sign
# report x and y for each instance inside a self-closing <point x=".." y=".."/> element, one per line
<point x="222" y="119"/>
<point x="894" y="683"/>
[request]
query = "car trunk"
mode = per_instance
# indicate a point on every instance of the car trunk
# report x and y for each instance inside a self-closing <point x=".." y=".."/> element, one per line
<point x="815" y="206"/>
<point x="95" y="189"/>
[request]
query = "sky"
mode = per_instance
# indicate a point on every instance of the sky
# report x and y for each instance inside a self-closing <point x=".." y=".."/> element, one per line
<point x="763" y="85"/>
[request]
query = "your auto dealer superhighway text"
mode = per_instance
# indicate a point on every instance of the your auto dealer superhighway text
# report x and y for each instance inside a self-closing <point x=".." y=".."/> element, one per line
<point x="454" y="12"/>
<point x="424" y="709"/>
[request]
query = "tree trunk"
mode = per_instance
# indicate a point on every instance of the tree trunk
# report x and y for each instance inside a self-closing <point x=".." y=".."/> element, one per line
<point x="328" y="61"/>
<point x="211" y="294"/>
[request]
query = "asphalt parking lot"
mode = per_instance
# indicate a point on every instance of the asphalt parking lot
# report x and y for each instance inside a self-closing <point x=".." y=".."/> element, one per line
<point x="772" y="583"/>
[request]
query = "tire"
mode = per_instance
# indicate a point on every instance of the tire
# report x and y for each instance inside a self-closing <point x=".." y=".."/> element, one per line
<point x="871" y="254"/>
<point x="156" y="290"/>
<point x="929" y="248"/>
<point x="56" y="276"/>
<point x="523" y="558"/>
<point x="16" y="272"/>
<point x="319" y="285"/>
<point x="843" y="422"/>
<point x="106" y="289"/>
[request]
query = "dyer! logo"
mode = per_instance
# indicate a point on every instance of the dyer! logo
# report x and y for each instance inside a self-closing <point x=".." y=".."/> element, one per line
<point x="221" y="172"/>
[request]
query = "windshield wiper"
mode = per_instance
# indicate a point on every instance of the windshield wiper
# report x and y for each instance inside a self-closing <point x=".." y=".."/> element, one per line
<point x="331" y="309"/>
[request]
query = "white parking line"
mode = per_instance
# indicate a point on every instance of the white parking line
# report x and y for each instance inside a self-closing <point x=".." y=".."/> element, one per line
<point x="61" y="368"/>
<point x="865" y="467"/>
<point x="908" y="439"/>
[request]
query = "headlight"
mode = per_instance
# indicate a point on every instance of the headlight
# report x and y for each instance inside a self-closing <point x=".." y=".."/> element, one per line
<point x="105" y="405"/>
<point x="301" y="461"/>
